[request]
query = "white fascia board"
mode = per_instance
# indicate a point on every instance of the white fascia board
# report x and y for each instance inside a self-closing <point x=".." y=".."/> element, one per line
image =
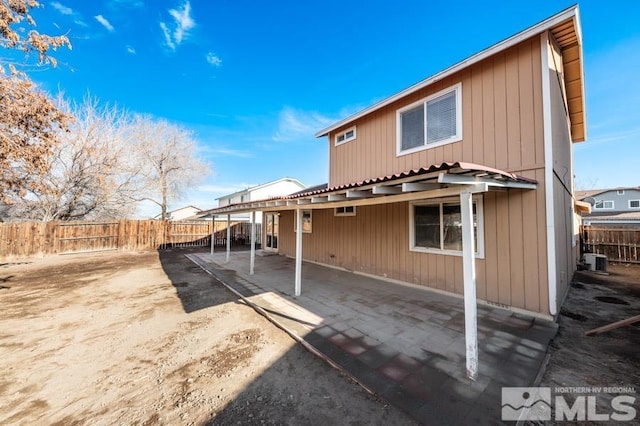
<point x="496" y="48"/>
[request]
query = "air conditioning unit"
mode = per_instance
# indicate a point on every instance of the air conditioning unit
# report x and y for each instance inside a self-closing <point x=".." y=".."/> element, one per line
<point x="596" y="262"/>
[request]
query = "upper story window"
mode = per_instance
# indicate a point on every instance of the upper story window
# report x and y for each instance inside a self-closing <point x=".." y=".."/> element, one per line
<point x="603" y="204"/>
<point x="620" y="191"/>
<point x="346" y="136"/>
<point x="430" y="122"/>
<point x="634" y="204"/>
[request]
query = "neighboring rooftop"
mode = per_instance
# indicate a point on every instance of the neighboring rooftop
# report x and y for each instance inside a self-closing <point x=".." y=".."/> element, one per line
<point x="262" y="185"/>
<point x="582" y="194"/>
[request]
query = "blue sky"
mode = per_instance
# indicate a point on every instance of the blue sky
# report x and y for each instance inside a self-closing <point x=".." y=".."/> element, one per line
<point x="255" y="80"/>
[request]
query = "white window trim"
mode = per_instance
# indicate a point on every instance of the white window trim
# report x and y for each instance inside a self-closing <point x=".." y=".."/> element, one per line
<point x="477" y="199"/>
<point x="456" y="138"/>
<point x="295" y="221"/>
<point x="352" y="138"/>
<point x="336" y="213"/>
<point x="634" y="207"/>
<point x="620" y="191"/>
<point x="595" y="205"/>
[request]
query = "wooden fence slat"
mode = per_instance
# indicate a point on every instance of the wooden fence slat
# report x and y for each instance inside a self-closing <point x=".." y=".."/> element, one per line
<point x="618" y="244"/>
<point x="29" y="239"/>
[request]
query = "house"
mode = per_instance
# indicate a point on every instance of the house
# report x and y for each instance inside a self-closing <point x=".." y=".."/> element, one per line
<point x="461" y="183"/>
<point x="183" y="213"/>
<point x="276" y="188"/>
<point x="612" y="207"/>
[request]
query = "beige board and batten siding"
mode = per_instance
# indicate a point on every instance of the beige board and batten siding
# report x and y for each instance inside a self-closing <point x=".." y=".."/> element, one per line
<point x="502" y="128"/>
<point x="501" y="122"/>
<point x="376" y="241"/>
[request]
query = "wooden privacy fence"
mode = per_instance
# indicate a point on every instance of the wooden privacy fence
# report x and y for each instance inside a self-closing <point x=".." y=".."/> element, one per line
<point x="618" y="244"/>
<point x="27" y="239"/>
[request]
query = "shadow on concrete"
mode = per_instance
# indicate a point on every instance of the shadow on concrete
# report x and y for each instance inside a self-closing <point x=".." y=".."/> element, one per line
<point x="404" y="344"/>
<point x="296" y="389"/>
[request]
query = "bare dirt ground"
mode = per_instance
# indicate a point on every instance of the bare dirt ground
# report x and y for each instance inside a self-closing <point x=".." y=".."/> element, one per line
<point x="149" y="338"/>
<point x="609" y="359"/>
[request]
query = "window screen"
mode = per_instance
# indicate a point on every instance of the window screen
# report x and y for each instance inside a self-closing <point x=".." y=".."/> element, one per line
<point x="441" y="231"/>
<point x="441" y="118"/>
<point x="412" y="123"/>
<point x="427" y="226"/>
<point x="451" y="227"/>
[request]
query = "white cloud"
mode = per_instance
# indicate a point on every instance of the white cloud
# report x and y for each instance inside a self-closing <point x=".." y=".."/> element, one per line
<point x="64" y="10"/>
<point x="105" y="23"/>
<point x="167" y="36"/>
<point x="294" y="124"/>
<point x="126" y="3"/>
<point x="131" y="50"/>
<point x="61" y="8"/>
<point x="231" y="153"/>
<point x="213" y="59"/>
<point x="178" y="30"/>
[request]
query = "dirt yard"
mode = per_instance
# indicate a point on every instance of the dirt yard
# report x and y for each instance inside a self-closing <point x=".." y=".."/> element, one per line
<point x="605" y="360"/>
<point x="149" y="338"/>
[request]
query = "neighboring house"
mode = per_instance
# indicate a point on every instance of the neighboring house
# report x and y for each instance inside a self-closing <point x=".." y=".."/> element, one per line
<point x="276" y="188"/>
<point x="183" y="213"/>
<point x="475" y="162"/>
<point x="615" y="206"/>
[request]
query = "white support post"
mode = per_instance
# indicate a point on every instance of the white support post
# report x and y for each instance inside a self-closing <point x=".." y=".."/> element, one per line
<point x="253" y="242"/>
<point x="298" y="281"/>
<point x="228" y="236"/>
<point x="469" y="273"/>
<point x="213" y="232"/>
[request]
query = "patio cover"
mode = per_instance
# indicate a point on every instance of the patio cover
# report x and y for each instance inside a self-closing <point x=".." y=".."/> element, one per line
<point x="426" y="182"/>
<point x="436" y="181"/>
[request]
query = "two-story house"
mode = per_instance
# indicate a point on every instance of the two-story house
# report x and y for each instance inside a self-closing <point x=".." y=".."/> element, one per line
<point x="275" y="188"/>
<point x="183" y="213"/>
<point x="461" y="183"/>
<point x="612" y="207"/>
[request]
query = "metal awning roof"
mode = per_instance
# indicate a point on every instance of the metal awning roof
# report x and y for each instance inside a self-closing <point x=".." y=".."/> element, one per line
<point x="436" y="181"/>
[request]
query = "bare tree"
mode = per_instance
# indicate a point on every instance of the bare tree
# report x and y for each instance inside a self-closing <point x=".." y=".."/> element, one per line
<point x="91" y="175"/>
<point x="169" y="165"/>
<point x="29" y="119"/>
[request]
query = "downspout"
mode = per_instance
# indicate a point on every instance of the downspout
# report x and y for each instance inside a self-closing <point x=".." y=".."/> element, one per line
<point x="548" y="174"/>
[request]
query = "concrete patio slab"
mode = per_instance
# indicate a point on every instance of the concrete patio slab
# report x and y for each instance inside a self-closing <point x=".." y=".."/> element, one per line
<point x="402" y="342"/>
